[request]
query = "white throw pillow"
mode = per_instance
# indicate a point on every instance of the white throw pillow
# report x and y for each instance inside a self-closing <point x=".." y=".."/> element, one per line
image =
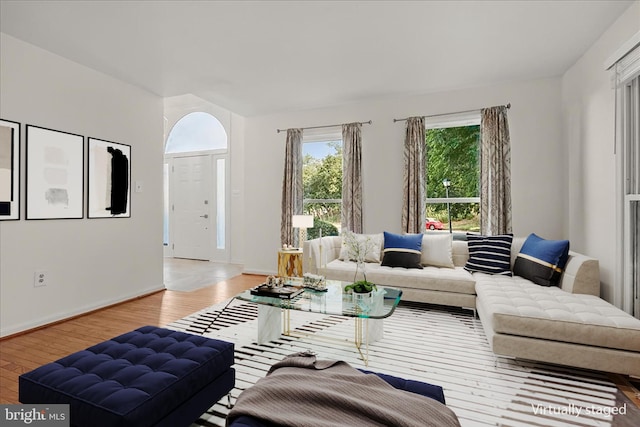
<point x="372" y="255"/>
<point x="436" y="250"/>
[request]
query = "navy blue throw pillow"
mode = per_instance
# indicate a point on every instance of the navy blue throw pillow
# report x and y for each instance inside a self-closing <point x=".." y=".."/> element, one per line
<point x="542" y="261"/>
<point x="402" y="250"/>
<point x="489" y="254"/>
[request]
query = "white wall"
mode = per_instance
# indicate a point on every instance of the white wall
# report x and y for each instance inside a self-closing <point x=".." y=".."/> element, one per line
<point x="90" y="262"/>
<point x="537" y="164"/>
<point x="238" y="217"/>
<point x="588" y="106"/>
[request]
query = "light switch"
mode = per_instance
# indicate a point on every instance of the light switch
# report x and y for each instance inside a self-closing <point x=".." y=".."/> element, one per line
<point x="138" y="186"/>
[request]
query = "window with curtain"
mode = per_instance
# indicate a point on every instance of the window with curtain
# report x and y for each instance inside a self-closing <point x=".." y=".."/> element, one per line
<point x="453" y="158"/>
<point x="322" y="180"/>
<point x="627" y="75"/>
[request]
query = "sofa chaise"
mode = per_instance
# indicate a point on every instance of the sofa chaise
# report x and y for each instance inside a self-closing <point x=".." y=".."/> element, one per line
<point x="566" y="324"/>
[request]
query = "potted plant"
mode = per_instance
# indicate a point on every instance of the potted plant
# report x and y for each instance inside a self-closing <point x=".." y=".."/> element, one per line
<point x="357" y="249"/>
<point x="361" y="287"/>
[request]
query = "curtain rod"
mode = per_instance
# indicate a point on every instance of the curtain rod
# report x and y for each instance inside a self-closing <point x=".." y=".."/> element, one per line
<point x="325" y="126"/>
<point x="447" y="114"/>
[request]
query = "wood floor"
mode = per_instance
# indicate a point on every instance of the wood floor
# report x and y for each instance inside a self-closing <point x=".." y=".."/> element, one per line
<point x="24" y="352"/>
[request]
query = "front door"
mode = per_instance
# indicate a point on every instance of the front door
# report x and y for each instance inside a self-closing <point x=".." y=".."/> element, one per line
<point x="192" y="207"/>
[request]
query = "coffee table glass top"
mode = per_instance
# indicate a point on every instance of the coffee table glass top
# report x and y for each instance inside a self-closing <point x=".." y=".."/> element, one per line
<point x="334" y="301"/>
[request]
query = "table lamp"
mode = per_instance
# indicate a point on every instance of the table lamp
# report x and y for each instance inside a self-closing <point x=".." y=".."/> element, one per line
<point x="302" y="222"/>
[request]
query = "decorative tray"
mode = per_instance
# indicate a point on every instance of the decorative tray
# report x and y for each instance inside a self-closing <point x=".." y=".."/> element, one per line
<point x="286" y="292"/>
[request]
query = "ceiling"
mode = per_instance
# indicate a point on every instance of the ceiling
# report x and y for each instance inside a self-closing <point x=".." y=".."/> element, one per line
<point x="261" y="57"/>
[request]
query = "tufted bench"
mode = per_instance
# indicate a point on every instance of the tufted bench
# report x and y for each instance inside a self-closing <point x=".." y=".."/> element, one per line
<point x="147" y="377"/>
<point x="525" y="320"/>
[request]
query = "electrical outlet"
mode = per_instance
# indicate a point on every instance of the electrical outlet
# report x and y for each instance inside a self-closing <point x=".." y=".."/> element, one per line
<point x="40" y="278"/>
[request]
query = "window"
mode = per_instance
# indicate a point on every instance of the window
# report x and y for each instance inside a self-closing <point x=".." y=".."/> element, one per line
<point x="322" y="181"/>
<point x="220" y="202"/>
<point x="165" y="205"/>
<point x="198" y="131"/>
<point x="631" y="194"/>
<point x="453" y="173"/>
<point x="627" y="79"/>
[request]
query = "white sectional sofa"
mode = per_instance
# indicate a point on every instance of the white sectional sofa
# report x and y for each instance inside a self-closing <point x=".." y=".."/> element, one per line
<point x="568" y="325"/>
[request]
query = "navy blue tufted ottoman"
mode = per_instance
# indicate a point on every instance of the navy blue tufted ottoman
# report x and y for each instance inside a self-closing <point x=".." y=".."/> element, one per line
<point x="147" y="377"/>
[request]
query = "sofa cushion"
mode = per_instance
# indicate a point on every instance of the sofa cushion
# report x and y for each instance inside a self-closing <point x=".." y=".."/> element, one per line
<point x="456" y="280"/>
<point x="489" y="254"/>
<point x="519" y="307"/>
<point x="371" y="244"/>
<point x="437" y="250"/>
<point x="402" y="250"/>
<point x="542" y="261"/>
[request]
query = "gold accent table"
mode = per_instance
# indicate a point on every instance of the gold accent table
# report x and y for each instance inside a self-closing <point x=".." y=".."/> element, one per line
<point x="290" y="263"/>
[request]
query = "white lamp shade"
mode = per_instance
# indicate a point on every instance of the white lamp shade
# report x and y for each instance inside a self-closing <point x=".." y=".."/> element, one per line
<point x="302" y="221"/>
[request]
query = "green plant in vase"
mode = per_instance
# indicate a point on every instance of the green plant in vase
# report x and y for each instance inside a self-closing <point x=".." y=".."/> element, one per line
<point x="361" y="287"/>
<point x="357" y="249"/>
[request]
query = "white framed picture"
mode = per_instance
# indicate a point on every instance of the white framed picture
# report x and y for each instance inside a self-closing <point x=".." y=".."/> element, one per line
<point x="55" y="174"/>
<point x="9" y="170"/>
<point x="109" y="168"/>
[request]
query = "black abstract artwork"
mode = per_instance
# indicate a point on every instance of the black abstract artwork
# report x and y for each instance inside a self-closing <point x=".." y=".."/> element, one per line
<point x="109" y="179"/>
<point x="9" y="170"/>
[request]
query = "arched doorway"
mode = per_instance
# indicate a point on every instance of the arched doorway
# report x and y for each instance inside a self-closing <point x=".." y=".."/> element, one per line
<point x="196" y="159"/>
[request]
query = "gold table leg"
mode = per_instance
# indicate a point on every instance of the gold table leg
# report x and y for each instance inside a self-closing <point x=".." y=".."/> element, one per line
<point x="361" y="333"/>
<point x="361" y="336"/>
<point x="286" y="324"/>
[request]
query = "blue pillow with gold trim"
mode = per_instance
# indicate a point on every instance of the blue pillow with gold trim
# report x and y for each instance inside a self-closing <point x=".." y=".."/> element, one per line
<point x="402" y="250"/>
<point x="542" y="261"/>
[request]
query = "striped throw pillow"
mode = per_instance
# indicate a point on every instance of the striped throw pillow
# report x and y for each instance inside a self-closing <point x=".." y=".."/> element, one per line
<point x="489" y="254"/>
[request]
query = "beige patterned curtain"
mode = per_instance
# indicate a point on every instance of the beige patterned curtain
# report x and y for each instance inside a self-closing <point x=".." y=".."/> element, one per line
<point x="352" y="177"/>
<point x="292" y="190"/>
<point x="495" y="172"/>
<point x="413" y="204"/>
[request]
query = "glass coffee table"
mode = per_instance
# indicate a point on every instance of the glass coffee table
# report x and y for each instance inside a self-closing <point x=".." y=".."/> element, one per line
<point x="274" y="314"/>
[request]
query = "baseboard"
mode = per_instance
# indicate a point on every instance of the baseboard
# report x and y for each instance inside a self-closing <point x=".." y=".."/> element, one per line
<point x="42" y="322"/>
<point x="260" y="272"/>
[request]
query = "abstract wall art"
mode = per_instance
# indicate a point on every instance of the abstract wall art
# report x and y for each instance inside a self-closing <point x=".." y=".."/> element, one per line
<point x="55" y="174"/>
<point x="9" y="170"/>
<point x="109" y="167"/>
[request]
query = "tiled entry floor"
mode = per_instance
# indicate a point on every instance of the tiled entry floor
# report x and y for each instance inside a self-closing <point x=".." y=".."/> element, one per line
<point x="188" y="274"/>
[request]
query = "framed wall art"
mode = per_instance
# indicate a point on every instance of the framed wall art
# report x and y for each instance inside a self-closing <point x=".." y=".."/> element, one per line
<point x="109" y="167"/>
<point x="9" y="170"/>
<point x="55" y="174"/>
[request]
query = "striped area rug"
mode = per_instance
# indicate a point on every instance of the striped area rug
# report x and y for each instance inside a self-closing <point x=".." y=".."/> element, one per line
<point x="434" y="344"/>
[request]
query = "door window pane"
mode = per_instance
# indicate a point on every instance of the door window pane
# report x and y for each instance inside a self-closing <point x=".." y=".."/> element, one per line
<point x="220" y="203"/>
<point x="165" y="234"/>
